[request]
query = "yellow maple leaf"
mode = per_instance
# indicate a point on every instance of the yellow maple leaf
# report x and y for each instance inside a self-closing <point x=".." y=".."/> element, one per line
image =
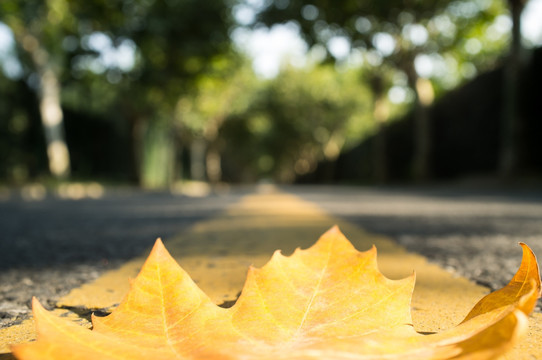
<point x="326" y="302"/>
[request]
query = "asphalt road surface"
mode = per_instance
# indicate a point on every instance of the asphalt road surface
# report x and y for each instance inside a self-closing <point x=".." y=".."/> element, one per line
<point x="52" y="245"/>
<point x="473" y="232"/>
<point x="49" y="246"/>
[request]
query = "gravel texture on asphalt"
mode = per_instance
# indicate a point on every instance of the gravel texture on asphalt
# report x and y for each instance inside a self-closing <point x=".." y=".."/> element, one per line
<point x="472" y="232"/>
<point x="50" y="246"/>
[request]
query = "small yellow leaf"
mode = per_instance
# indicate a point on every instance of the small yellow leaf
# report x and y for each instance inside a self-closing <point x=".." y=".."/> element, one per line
<point x="326" y="302"/>
<point x="516" y="292"/>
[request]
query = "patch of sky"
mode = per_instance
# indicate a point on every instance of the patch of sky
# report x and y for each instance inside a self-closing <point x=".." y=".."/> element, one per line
<point x="310" y="12"/>
<point x="363" y="25"/>
<point x="11" y="67"/>
<point x="473" y="46"/>
<point x="270" y="49"/>
<point x="501" y="26"/>
<point x="531" y="23"/>
<point x="397" y="94"/>
<point x="339" y="47"/>
<point x="416" y="34"/>
<point x="384" y="43"/>
<point x="109" y="56"/>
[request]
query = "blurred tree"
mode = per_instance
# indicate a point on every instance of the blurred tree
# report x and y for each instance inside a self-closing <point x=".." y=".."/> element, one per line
<point x="39" y="27"/>
<point x="299" y="118"/>
<point x="381" y="112"/>
<point x="129" y="59"/>
<point x="414" y="37"/>
<point x="179" y="42"/>
<point x="510" y="133"/>
<point x="226" y="90"/>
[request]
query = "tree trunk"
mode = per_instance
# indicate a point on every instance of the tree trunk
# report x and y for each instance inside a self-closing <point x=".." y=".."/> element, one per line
<point x="213" y="165"/>
<point x="508" y="157"/>
<point x="213" y="160"/>
<point x="52" y="117"/>
<point x="380" y="114"/>
<point x="197" y="159"/>
<point x="332" y="150"/>
<point x="423" y="88"/>
<point x="157" y="157"/>
<point x="53" y="124"/>
<point x="137" y="130"/>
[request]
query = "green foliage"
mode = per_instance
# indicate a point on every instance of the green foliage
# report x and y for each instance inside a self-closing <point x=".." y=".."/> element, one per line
<point x="443" y="41"/>
<point x="297" y="119"/>
<point x="187" y="84"/>
<point x="226" y="89"/>
<point x="174" y="42"/>
<point x="438" y="29"/>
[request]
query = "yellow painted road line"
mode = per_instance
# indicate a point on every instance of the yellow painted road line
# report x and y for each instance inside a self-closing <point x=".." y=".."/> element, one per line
<point x="218" y="251"/>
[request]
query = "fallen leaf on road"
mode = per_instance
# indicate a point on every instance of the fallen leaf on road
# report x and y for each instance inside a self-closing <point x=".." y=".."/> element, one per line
<point x="326" y="302"/>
